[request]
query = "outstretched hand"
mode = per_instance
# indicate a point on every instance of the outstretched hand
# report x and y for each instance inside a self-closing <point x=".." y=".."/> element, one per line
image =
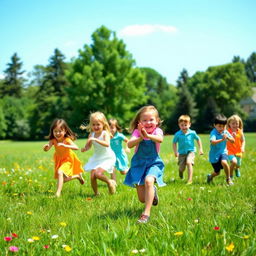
<point x="46" y="147"/>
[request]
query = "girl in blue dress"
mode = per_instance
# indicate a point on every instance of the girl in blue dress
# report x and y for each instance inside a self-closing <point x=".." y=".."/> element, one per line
<point x="121" y="164"/>
<point x="146" y="165"/>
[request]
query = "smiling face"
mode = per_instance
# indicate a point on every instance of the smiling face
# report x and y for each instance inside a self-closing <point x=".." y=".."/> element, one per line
<point x="149" y="121"/>
<point x="112" y="127"/>
<point x="234" y="125"/>
<point x="184" y="126"/>
<point x="220" y="127"/>
<point x="59" y="133"/>
<point x="97" y="126"/>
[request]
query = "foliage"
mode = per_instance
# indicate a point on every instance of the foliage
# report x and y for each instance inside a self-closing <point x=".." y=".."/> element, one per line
<point x="160" y="94"/>
<point x="199" y="219"/>
<point x="51" y="97"/>
<point x="13" y="81"/>
<point x="3" y="126"/>
<point x="222" y="87"/>
<point x="250" y="67"/>
<point x="103" y="78"/>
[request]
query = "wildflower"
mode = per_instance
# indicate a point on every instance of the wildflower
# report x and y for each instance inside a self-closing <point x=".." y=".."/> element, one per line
<point x="30" y="240"/>
<point x="8" y="238"/>
<point x="230" y="247"/>
<point x="63" y="224"/>
<point x="13" y="249"/>
<point x="29" y="213"/>
<point x="14" y="235"/>
<point x="135" y="251"/>
<point x="202" y="188"/>
<point x="4" y="183"/>
<point x="88" y="199"/>
<point x="180" y="233"/>
<point x="196" y="220"/>
<point x="189" y="199"/>
<point x="246" y="237"/>
<point x="36" y="238"/>
<point x="216" y="228"/>
<point x="67" y="248"/>
<point x="55" y="236"/>
<point x="46" y="246"/>
<point x="142" y="250"/>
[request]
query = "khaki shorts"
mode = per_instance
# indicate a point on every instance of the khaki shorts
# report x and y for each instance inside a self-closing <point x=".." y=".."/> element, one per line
<point x="183" y="160"/>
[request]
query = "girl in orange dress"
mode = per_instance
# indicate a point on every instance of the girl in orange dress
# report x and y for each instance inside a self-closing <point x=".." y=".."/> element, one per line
<point x="67" y="164"/>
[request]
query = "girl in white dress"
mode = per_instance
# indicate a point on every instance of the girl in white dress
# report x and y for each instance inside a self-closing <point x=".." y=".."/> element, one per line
<point x="103" y="159"/>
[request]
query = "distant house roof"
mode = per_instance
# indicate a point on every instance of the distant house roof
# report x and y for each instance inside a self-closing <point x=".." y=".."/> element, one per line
<point x="249" y="104"/>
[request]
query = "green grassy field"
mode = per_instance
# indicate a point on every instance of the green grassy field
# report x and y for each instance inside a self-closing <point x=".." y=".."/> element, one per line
<point x="199" y="219"/>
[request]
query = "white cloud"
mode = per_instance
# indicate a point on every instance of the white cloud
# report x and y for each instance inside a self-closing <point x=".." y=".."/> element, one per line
<point x="142" y="30"/>
<point x="2" y="76"/>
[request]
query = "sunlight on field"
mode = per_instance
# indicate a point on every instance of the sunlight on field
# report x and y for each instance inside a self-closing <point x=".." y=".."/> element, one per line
<point x="199" y="219"/>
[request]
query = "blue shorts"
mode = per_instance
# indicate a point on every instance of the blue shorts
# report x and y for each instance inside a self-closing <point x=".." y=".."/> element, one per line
<point x="238" y="159"/>
<point x="218" y="166"/>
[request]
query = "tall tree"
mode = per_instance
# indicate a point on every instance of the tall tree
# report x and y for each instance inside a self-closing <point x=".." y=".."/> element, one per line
<point x="104" y="78"/>
<point x="13" y="80"/>
<point x="51" y="98"/>
<point x="250" y="67"/>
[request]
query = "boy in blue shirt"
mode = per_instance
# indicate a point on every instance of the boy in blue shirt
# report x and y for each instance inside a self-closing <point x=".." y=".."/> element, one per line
<point x="218" y="156"/>
<point x="186" y="152"/>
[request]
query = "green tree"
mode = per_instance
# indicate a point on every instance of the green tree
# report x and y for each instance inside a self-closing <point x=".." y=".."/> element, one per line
<point x="160" y="94"/>
<point x="13" y="81"/>
<point x="104" y="78"/>
<point x="3" y="126"/>
<point x="250" y="67"/>
<point x="51" y="97"/>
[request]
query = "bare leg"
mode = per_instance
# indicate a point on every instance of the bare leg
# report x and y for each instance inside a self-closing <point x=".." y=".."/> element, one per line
<point x="226" y="168"/>
<point x="190" y="172"/>
<point x="94" y="184"/>
<point x="149" y="194"/>
<point x="99" y="174"/>
<point x="113" y="175"/>
<point x="60" y="183"/>
<point x="233" y="166"/>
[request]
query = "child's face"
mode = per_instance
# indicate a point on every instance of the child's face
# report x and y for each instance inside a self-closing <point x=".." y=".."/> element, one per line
<point x="220" y="127"/>
<point x="97" y="126"/>
<point x="112" y="128"/>
<point x="59" y="133"/>
<point x="149" y="121"/>
<point x="184" y="126"/>
<point x="234" y="125"/>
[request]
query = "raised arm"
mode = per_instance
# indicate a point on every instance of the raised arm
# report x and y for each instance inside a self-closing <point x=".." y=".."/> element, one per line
<point x="47" y="146"/>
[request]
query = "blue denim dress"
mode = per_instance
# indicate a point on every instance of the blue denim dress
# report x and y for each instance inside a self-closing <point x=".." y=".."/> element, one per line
<point x="145" y="162"/>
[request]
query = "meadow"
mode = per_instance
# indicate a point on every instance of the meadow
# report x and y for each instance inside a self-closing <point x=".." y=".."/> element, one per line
<point x="199" y="219"/>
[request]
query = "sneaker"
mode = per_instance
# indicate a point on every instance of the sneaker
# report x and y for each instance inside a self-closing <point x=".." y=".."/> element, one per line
<point x="155" y="199"/>
<point x="238" y="174"/>
<point x="143" y="219"/>
<point x="111" y="187"/>
<point x="181" y="175"/>
<point x="209" y="178"/>
<point x="230" y="182"/>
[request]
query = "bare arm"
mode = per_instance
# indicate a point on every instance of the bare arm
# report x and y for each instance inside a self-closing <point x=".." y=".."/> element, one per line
<point x="134" y="141"/>
<point x="105" y="142"/>
<point x="243" y="143"/>
<point x="48" y="146"/>
<point x="87" y="145"/>
<point x="174" y="146"/>
<point x="71" y="145"/>
<point x="225" y="137"/>
<point x="156" y="138"/>
<point x="199" y="142"/>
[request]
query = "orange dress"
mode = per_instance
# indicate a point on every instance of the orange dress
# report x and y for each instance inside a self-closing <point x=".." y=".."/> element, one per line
<point x="236" y="147"/>
<point x="66" y="160"/>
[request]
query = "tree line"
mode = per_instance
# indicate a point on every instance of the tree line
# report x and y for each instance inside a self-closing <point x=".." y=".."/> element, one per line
<point x="104" y="77"/>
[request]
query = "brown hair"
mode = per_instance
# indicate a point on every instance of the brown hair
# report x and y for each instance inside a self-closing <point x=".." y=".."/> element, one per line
<point x="136" y="119"/>
<point x="115" y="122"/>
<point x="63" y="125"/>
<point x="184" y="118"/>
<point x="235" y="118"/>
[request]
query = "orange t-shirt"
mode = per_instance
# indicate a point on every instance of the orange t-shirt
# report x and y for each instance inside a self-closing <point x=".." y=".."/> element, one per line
<point x="236" y="147"/>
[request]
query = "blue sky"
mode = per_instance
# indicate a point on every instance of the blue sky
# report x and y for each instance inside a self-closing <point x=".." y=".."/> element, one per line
<point x="166" y="35"/>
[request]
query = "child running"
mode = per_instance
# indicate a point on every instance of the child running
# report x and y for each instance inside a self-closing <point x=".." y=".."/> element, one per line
<point x="67" y="165"/>
<point x="104" y="158"/>
<point x="116" y="145"/>
<point x="186" y="152"/>
<point x="218" y="150"/>
<point x="236" y="149"/>
<point x="146" y="165"/>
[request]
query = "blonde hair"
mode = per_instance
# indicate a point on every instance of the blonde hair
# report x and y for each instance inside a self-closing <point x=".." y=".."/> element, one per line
<point x="184" y="118"/>
<point x="115" y="122"/>
<point x="136" y="119"/>
<point x="97" y="116"/>
<point x="235" y="118"/>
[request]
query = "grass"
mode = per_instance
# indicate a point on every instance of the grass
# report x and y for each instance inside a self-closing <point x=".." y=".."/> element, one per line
<point x="199" y="219"/>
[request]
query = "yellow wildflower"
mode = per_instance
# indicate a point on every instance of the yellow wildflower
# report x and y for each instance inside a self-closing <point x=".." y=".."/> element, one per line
<point x="230" y="247"/>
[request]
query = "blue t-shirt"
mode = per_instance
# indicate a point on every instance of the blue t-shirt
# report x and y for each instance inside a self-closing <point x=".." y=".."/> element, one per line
<point x="185" y="141"/>
<point x="218" y="149"/>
